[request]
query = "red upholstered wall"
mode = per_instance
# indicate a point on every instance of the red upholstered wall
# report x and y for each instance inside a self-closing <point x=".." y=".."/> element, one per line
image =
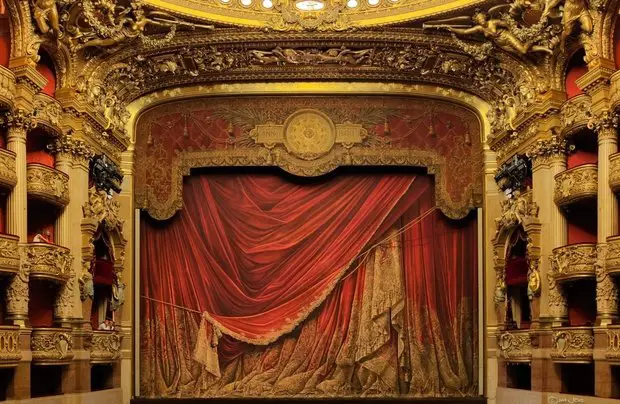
<point x="586" y="149"/>
<point x="3" y="213"/>
<point x="46" y="68"/>
<point x="5" y="39"/>
<point x="581" y="220"/>
<point x="40" y="308"/>
<point x="581" y="298"/>
<point x="36" y="147"/>
<point x="617" y="44"/>
<point x="576" y="68"/>
<point x="41" y="218"/>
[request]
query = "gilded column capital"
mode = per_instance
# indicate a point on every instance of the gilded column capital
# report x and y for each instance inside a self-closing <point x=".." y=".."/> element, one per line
<point x="19" y="119"/>
<point x="549" y="150"/>
<point x="73" y="148"/>
<point x="605" y="125"/>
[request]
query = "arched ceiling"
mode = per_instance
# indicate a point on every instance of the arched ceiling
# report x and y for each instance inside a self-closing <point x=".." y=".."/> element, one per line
<point x="290" y="15"/>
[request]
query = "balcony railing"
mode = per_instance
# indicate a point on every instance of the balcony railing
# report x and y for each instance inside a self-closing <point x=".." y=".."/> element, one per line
<point x="48" y="184"/>
<point x="9" y="254"/>
<point x="105" y="346"/>
<point x="49" y="261"/>
<point x="576" y="184"/>
<point x="612" y="352"/>
<point x="51" y="346"/>
<point x="575" y="113"/>
<point x="612" y="260"/>
<point x="8" y="175"/>
<point x="573" y="344"/>
<point x="574" y="261"/>
<point x="515" y="346"/>
<point x="614" y="172"/>
<point x="10" y="351"/>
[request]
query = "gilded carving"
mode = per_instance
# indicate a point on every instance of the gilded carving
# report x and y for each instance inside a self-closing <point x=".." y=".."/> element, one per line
<point x="7" y="86"/>
<point x="613" y="344"/>
<point x="10" y="350"/>
<point x="63" y="306"/>
<point x="614" y="172"/>
<point x="17" y="296"/>
<point x="574" y="261"/>
<point x="572" y="344"/>
<point x="47" y="112"/>
<point x="606" y="288"/>
<point x="612" y="260"/>
<point x="19" y="118"/>
<point x="72" y="146"/>
<point x="87" y="288"/>
<point x="51" y="345"/>
<point x="558" y="308"/>
<point x="518" y="210"/>
<point x="576" y="184"/>
<point x="8" y="175"/>
<point x="515" y="345"/>
<point x="46" y="17"/>
<point x="575" y="113"/>
<point x="283" y="56"/>
<point x="49" y="261"/>
<point x="48" y="184"/>
<point x="605" y="124"/>
<point x="105" y="346"/>
<point x="102" y="208"/>
<point x="9" y="254"/>
<point x="545" y="150"/>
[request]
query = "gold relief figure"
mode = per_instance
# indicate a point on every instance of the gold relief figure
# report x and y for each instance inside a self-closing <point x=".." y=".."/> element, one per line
<point x="493" y="29"/>
<point x="46" y="17"/>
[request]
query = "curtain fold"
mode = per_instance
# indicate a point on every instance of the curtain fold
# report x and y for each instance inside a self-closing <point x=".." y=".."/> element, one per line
<point x="345" y="286"/>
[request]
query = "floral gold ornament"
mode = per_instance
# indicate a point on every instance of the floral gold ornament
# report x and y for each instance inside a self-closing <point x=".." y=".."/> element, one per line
<point x="48" y="184"/>
<point x="573" y="345"/>
<point x="51" y="345"/>
<point x="49" y="261"/>
<point x="576" y="184"/>
<point x="612" y="351"/>
<point x="574" y="261"/>
<point x="8" y="175"/>
<point x="9" y="254"/>
<point x="606" y="289"/>
<point x="10" y="350"/>
<point x="105" y="347"/>
<point x="515" y="346"/>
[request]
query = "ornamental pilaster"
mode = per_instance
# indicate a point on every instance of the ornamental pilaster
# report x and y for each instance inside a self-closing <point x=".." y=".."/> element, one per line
<point x="606" y="289"/>
<point x="17" y="292"/>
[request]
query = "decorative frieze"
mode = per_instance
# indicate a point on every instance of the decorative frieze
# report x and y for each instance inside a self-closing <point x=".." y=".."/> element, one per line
<point x="576" y="184"/>
<point x="48" y="184"/>
<point x="606" y="289"/>
<point x="8" y="175"/>
<point x="7" y="86"/>
<point x="614" y="172"/>
<point x="575" y="114"/>
<point x="10" y="351"/>
<point x="612" y="352"/>
<point x="515" y="346"/>
<point x="105" y="346"/>
<point x="9" y="254"/>
<point x="545" y="150"/>
<point x="63" y="306"/>
<point x="574" y="261"/>
<point x="51" y="345"/>
<point x="47" y="112"/>
<point x="612" y="259"/>
<point x="49" y="261"/>
<point x="69" y="145"/>
<point x="574" y="344"/>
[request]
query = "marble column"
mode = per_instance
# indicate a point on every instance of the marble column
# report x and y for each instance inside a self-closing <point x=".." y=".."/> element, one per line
<point x="19" y="122"/>
<point x="606" y="288"/>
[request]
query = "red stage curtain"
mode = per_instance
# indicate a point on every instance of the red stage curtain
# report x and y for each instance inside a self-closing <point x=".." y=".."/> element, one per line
<point x="252" y="250"/>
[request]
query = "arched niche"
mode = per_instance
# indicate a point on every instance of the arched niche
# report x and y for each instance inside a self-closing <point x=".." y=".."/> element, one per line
<point x="519" y="213"/>
<point x="101" y="220"/>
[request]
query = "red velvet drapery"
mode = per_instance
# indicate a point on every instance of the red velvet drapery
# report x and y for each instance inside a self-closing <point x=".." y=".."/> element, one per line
<point x="259" y="254"/>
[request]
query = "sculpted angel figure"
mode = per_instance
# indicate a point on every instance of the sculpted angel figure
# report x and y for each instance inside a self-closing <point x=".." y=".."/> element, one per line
<point x="493" y="29"/>
<point x="134" y="27"/>
<point x="46" y="16"/>
<point x="576" y="14"/>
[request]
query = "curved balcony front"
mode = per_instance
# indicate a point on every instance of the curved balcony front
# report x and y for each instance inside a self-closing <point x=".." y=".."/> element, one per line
<point x="576" y="184"/>
<point x="10" y="351"/>
<point x="7" y="87"/>
<point x="515" y="346"/>
<point x="51" y="346"/>
<point x="575" y="113"/>
<point x="105" y="346"/>
<point x="9" y="254"/>
<point x="48" y="184"/>
<point x="612" y="258"/>
<point x="573" y="345"/>
<point x="574" y="261"/>
<point x="8" y="175"/>
<point x="49" y="262"/>
<point x="614" y="172"/>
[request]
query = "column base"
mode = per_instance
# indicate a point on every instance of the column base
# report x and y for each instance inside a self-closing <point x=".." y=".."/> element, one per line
<point x="603" y="320"/>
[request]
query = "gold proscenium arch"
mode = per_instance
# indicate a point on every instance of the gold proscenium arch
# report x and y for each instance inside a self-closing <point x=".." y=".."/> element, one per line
<point x="520" y="212"/>
<point x="330" y="15"/>
<point x="280" y="146"/>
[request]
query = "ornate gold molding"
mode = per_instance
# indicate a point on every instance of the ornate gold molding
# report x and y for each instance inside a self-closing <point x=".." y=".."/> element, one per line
<point x="576" y="184"/>
<point x="9" y="254"/>
<point x="71" y="146"/>
<point x="575" y="114"/>
<point x="515" y="346"/>
<point x="48" y="113"/>
<point x="48" y="184"/>
<point x="19" y="118"/>
<point x="51" y="345"/>
<point x="574" y="261"/>
<point x="49" y="261"/>
<point x="575" y="344"/>
<point x="8" y="175"/>
<point x="10" y="351"/>
<point x="546" y="150"/>
<point x="7" y="87"/>
<point x="105" y="347"/>
<point x="606" y="288"/>
<point x="614" y="172"/>
<point x="612" y="351"/>
<point x="612" y="260"/>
